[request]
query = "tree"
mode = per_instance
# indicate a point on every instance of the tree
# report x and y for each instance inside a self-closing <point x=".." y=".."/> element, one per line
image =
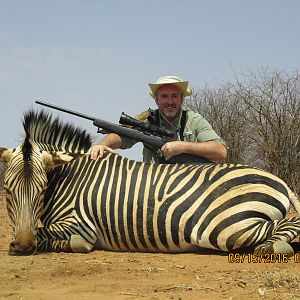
<point x="259" y="118"/>
<point x="272" y="100"/>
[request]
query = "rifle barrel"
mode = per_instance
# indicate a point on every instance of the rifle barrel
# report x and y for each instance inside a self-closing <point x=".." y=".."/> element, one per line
<point x="151" y="140"/>
<point x="68" y="111"/>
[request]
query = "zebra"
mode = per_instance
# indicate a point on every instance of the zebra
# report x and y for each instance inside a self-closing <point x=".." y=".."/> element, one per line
<point x="60" y="200"/>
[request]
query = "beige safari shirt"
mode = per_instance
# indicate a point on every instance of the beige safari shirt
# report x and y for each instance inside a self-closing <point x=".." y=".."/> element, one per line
<point x="197" y="129"/>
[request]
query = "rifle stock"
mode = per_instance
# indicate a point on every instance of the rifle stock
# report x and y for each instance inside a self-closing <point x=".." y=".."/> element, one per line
<point x="150" y="140"/>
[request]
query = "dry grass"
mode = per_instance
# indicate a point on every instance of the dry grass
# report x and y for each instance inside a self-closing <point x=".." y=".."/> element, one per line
<point x="277" y="280"/>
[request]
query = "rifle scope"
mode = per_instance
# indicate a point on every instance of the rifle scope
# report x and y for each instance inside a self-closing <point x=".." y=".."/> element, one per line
<point x="146" y="127"/>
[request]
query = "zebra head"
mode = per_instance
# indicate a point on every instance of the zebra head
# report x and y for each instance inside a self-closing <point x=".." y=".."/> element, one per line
<point x="25" y="178"/>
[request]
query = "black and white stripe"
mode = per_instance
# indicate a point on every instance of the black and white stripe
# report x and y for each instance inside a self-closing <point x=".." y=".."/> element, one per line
<point x="127" y="205"/>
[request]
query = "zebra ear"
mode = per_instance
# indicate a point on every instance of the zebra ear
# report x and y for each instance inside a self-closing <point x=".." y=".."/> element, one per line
<point x="5" y="155"/>
<point x="55" y="159"/>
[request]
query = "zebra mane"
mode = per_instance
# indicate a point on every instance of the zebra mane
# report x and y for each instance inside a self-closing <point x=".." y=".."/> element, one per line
<point x="50" y="134"/>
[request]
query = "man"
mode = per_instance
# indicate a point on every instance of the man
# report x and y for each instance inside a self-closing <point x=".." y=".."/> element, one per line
<point x="195" y="134"/>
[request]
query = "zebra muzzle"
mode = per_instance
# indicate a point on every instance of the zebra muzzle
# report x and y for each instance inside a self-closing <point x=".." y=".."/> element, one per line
<point x="16" y="248"/>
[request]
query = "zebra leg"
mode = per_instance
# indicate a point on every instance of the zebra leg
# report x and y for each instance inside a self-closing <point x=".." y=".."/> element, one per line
<point x="54" y="246"/>
<point x="280" y="234"/>
<point x="50" y="241"/>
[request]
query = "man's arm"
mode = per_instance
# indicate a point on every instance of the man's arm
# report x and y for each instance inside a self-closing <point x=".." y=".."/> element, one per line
<point x="212" y="150"/>
<point x="203" y="142"/>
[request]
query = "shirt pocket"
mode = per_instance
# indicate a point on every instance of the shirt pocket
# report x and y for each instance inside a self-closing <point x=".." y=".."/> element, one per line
<point x="189" y="136"/>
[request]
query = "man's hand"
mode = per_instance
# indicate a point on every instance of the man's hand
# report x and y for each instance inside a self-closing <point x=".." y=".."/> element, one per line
<point x="172" y="148"/>
<point x="97" y="151"/>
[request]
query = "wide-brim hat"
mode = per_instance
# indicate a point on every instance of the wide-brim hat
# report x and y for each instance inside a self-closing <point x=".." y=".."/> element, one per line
<point x="182" y="84"/>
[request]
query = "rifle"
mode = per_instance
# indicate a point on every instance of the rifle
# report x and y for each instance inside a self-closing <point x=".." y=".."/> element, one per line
<point x="150" y="135"/>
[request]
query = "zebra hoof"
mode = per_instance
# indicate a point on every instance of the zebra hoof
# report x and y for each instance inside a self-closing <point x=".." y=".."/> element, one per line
<point x="79" y="244"/>
<point x="281" y="247"/>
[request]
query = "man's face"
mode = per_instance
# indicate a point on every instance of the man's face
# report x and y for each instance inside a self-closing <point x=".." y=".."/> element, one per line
<point x="169" y="101"/>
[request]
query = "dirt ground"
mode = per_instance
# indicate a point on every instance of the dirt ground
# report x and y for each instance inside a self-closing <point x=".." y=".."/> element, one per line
<point x="108" y="275"/>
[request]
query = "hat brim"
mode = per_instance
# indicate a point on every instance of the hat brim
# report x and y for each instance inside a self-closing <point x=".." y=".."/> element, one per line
<point x="183" y="86"/>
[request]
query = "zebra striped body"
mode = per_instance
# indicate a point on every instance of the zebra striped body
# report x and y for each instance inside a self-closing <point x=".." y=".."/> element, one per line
<point x="118" y="204"/>
<point x="126" y="205"/>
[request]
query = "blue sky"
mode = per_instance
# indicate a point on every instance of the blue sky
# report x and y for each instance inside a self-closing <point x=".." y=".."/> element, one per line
<point x="98" y="56"/>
